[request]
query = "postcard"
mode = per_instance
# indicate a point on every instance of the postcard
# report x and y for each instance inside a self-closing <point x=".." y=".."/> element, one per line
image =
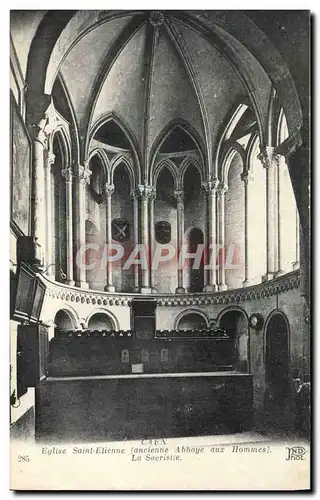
<point x="160" y="250"/>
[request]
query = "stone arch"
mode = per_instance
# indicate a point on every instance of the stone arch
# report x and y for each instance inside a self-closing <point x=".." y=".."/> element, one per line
<point x="187" y="312"/>
<point x="266" y="324"/>
<point x="165" y="163"/>
<point x="277" y="363"/>
<point x="70" y="313"/>
<point x="63" y="135"/>
<point x="186" y="127"/>
<point x="123" y="159"/>
<point x="111" y="317"/>
<point x="186" y="162"/>
<point x="226" y="161"/>
<point x="231" y="308"/>
<point x="235" y="321"/>
<point x="120" y="122"/>
<point x="103" y="160"/>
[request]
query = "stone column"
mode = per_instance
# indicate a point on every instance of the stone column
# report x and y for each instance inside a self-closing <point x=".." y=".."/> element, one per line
<point x="49" y="264"/>
<point x="145" y="192"/>
<point x="222" y="189"/>
<point x="296" y="263"/>
<point x="179" y="196"/>
<point x="67" y="174"/>
<point x="270" y="163"/>
<point x="246" y="177"/>
<point x="109" y="190"/>
<point x="135" y="208"/>
<point x="39" y="212"/>
<point x="211" y="191"/>
<point x="152" y="237"/>
<point x="81" y="178"/>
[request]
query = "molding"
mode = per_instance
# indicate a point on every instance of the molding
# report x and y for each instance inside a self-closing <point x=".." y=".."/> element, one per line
<point x="74" y="295"/>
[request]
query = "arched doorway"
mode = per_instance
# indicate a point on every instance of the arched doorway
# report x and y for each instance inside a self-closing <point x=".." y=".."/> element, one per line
<point x="277" y="359"/>
<point x="235" y="322"/>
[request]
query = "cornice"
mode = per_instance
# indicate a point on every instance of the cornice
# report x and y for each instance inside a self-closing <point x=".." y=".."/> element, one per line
<point x="282" y="284"/>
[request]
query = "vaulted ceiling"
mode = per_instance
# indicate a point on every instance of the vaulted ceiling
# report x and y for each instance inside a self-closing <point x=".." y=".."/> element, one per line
<point x="149" y="68"/>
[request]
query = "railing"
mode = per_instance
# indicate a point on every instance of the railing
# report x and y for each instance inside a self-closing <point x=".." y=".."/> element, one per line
<point x="205" y="333"/>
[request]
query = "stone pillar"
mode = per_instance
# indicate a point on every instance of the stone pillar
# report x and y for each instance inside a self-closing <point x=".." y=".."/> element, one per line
<point x="135" y="208"/>
<point x="179" y="196"/>
<point x="145" y="193"/>
<point x="210" y="188"/>
<point x="246" y="177"/>
<point x="296" y="263"/>
<point x="109" y="190"/>
<point x="67" y="174"/>
<point x="39" y="212"/>
<point x="270" y="163"/>
<point x="152" y="237"/>
<point x="49" y="264"/>
<point x="222" y="189"/>
<point x="81" y="178"/>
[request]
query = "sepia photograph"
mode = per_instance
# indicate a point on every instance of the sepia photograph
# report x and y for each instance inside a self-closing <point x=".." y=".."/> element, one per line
<point x="160" y="250"/>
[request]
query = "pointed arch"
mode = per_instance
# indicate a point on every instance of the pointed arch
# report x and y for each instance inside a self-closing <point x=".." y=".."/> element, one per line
<point x="187" y="128"/>
<point x="249" y="152"/>
<point x="127" y="162"/>
<point x="189" y="160"/>
<point x="162" y="164"/>
<point x="126" y="131"/>
<point x="73" y="126"/>
<point x="100" y="153"/>
<point x="282" y="128"/>
<point x="226" y="163"/>
<point x="62" y="132"/>
<point x="226" y="130"/>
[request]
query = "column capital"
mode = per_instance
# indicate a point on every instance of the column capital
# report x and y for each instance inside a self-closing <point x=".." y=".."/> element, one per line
<point x="49" y="158"/>
<point x="82" y="174"/>
<point x="268" y="157"/>
<point x="246" y="177"/>
<point x="179" y="196"/>
<point x="134" y="194"/>
<point x="39" y="134"/>
<point x="153" y="194"/>
<point x="109" y="189"/>
<point x="145" y="192"/>
<point x="67" y="174"/>
<point x="211" y="186"/>
<point x="222" y="189"/>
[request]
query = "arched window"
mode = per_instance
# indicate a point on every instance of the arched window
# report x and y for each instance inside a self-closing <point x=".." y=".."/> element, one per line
<point x="288" y="218"/>
<point x="165" y="217"/>
<point x="58" y="211"/>
<point x="235" y="223"/>
<point x="122" y="227"/>
<point x="257" y="219"/>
